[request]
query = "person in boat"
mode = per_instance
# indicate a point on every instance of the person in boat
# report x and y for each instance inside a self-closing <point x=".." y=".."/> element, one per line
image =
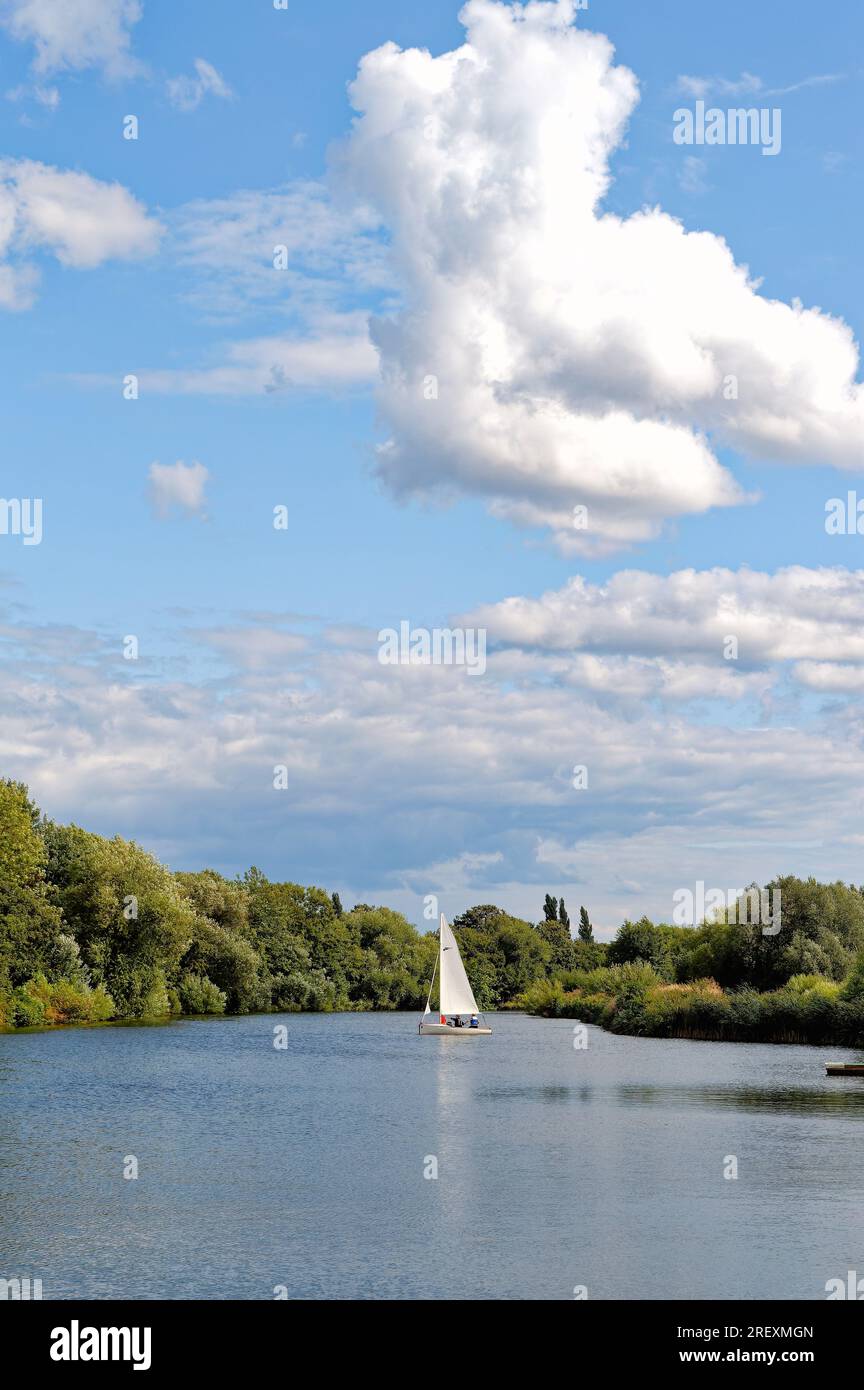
<point x="475" y="1022"/>
<point x="457" y="1022"/>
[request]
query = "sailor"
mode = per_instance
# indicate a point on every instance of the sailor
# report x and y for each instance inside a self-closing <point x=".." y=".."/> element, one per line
<point x="475" y="1022"/>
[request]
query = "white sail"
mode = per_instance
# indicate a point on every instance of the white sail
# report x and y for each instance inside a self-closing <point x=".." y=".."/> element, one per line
<point x="457" y="997"/>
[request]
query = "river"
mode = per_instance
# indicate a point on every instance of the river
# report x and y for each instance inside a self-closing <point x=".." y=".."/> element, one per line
<point x="311" y="1169"/>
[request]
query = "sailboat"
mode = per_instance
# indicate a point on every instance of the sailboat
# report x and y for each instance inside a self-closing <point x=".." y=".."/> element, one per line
<point x="456" y="997"/>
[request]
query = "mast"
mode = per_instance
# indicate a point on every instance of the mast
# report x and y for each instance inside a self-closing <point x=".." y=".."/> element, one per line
<point x="441" y="966"/>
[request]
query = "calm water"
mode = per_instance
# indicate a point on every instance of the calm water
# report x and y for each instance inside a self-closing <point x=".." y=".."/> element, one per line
<point x="304" y="1167"/>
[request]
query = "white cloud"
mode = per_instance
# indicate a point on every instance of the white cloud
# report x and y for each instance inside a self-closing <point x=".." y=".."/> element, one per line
<point x="795" y="614"/>
<point x="45" y="96"/>
<point x="253" y="649"/>
<point x="342" y="357"/>
<point x="456" y="786"/>
<point x="458" y="874"/>
<point x="178" y="486"/>
<point x="745" y="85"/>
<point x="331" y="262"/>
<point x="580" y="357"/>
<point x="79" y="219"/>
<point x="330" y="255"/>
<point x="187" y="93"/>
<point x="830" y="677"/>
<point x="75" y="34"/>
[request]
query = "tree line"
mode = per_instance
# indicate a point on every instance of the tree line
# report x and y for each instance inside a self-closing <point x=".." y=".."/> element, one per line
<point x="726" y="978"/>
<point x="93" y="929"/>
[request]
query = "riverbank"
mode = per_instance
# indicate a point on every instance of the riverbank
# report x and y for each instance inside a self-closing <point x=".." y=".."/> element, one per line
<point x="633" y="1000"/>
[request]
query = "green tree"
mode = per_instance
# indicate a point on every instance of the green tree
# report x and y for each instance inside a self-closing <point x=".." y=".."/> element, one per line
<point x="397" y="963"/>
<point x="127" y="912"/>
<point x="550" y="909"/>
<point x="502" y="954"/>
<point x="563" y="916"/>
<point x="820" y="930"/>
<point x="586" y="931"/>
<point x="660" y="946"/>
<point x="30" y="923"/>
<point x="221" y="949"/>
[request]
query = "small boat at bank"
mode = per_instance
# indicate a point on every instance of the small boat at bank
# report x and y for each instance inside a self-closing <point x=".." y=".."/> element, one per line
<point x="845" y="1068"/>
<point x="455" y="995"/>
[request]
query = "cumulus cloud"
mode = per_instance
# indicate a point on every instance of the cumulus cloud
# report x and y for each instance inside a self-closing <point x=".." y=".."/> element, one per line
<point x="830" y="677"/>
<point x="81" y="220"/>
<point x="187" y="93"/>
<point x="75" y="34"/>
<point x="454" y="786"/>
<point x="795" y="614"/>
<point x="177" y="487"/>
<point x="551" y="355"/>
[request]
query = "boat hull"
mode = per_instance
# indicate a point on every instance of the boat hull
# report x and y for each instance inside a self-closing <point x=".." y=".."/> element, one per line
<point x="845" y="1068"/>
<point x="446" y="1030"/>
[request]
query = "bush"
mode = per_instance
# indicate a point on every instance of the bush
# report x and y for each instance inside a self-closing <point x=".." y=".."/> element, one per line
<point x="591" y="1008"/>
<point x="28" y="1010"/>
<point x="40" y="1001"/>
<point x="631" y="1014"/>
<point x="853" y="986"/>
<point x="102" y="1005"/>
<point x="198" y="995"/>
<point x="67" y="1003"/>
<point x="544" y="997"/>
<point x="304" y="991"/>
<point x="814" y="984"/>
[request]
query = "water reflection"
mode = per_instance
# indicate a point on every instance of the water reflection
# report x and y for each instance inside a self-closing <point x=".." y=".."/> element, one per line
<point x="794" y="1100"/>
<point x="845" y="1099"/>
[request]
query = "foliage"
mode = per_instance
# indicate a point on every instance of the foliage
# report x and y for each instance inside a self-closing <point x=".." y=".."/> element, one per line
<point x="502" y="954"/>
<point x="30" y="924"/>
<point x="198" y="995"/>
<point x="127" y="913"/>
<point x="39" y="1002"/>
<point x="807" y="1009"/>
<point x="92" y="928"/>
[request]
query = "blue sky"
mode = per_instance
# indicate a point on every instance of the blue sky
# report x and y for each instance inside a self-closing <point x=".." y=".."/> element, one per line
<point x="259" y="647"/>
